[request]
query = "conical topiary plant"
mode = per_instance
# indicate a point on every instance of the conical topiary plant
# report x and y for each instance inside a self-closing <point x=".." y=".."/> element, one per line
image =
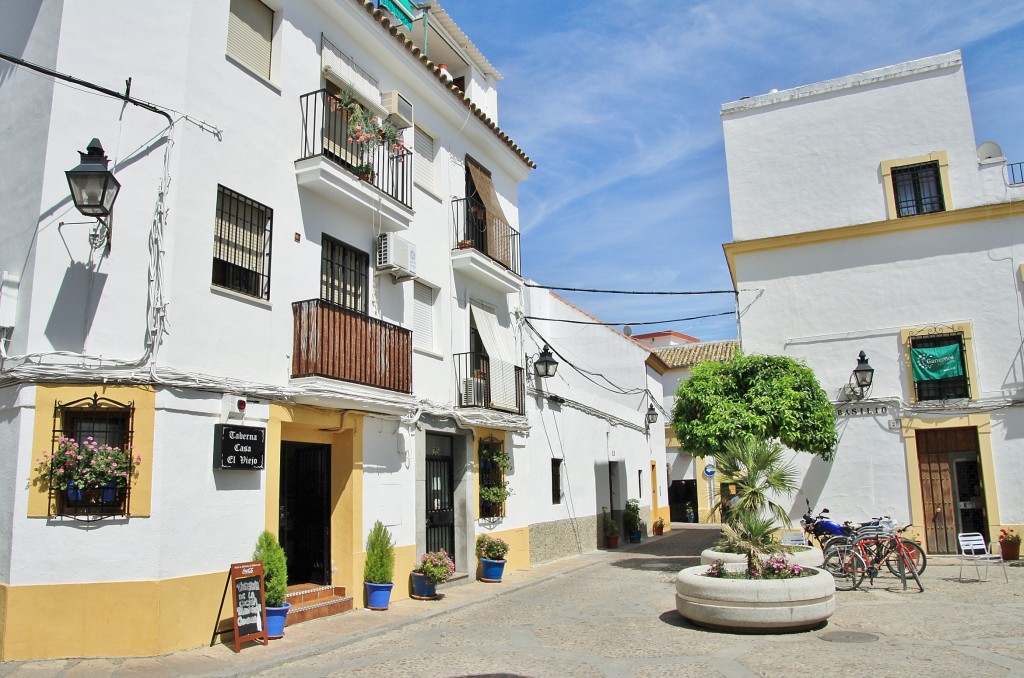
<point x="380" y="556"/>
<point x="275" y="568"/>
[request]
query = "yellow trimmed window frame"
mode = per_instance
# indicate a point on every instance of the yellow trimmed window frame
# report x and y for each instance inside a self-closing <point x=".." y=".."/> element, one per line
<point x="888" y="166"/>
<point x="966" y="331"/>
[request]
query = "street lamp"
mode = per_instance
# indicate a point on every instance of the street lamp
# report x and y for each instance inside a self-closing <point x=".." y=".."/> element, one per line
<point x="652" y="415"/>
<point x="545" y="365"/>
<point x="861" y="377"/>
<point x="93" y="187"/>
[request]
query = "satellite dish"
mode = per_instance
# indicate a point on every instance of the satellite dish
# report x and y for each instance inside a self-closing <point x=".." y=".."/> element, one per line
<point x="989" y="150"/>
<point x="628" y="331"/>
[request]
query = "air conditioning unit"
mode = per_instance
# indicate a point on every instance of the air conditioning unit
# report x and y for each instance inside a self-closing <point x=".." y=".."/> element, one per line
<point x="396" y="255"/>
<point x="472" y="392"/>
<point x="398" y="107"/>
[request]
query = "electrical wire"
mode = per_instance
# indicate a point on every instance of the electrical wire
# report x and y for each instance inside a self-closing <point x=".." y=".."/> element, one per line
<point x="649" y="322"/>
<point x="599" y="291"/>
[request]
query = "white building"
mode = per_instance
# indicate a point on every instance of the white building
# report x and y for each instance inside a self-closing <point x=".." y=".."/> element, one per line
<point x="590" y="423"/>
<point x="246" y="261"/>
<point x="867" y="218"/>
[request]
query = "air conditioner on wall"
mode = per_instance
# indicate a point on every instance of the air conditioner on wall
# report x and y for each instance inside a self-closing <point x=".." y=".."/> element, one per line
<point x="396" y="255"/>
<point x="398" y="107"/>
<point x="473" y="392"/>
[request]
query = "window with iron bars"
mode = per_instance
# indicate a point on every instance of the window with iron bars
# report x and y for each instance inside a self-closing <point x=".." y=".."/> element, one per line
<point x="344" y="275"/>
<point x="918" y="189"/>
<point x="556" y="481"/>
<point x="950" y="387"/>
<point x="243" y="230"/>
<point x="91" y="422"/>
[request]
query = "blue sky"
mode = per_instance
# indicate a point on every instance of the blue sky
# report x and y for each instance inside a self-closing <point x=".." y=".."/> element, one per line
<point x="618" y="103"/>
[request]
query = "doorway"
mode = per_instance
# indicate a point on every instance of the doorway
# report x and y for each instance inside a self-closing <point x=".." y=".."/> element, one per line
<point x="440" y="495"/>
<point x="304" y="522"/>
<point x="952" y="488"/>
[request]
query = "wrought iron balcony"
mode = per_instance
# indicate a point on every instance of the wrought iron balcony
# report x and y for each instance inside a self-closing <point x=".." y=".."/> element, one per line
<point x="325" y="133"/>
<point x="474" y="377"/>
<point x="336" y="343"/>
<point x="478" y="230"/>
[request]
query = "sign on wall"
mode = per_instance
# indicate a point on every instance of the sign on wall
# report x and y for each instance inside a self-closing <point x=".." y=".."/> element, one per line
<point x="860" y="410"/>
<point x="239" y="447"/>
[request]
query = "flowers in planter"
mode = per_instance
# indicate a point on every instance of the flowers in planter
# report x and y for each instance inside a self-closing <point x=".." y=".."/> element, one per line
<point x="1009" y="536"/>
<point x="436" y="566"/>
<point x="86" y="464"/>
<point x="367" y="131"/>
<point x="491" y="548"/>
<point x="775" y="567"/>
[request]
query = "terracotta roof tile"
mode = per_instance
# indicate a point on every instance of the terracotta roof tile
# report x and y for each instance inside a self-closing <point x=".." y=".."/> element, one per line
<point x="688" y="355"/>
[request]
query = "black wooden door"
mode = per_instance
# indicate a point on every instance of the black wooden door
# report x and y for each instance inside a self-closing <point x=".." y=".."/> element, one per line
<point x="305" y="526"/>
<point x="440" y="496"/>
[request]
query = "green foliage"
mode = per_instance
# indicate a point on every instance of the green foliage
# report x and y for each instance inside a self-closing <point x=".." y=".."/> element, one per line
<point x="495" y="494"/>
<point x="611" y="528"/>
<point x="436" y="566"/>
<point x="496" y="456"/>
<point x="750" y="534"/>
<point x="491" y="548"/>
<point x="380" y="556"/>
<point x="275" y="568"/>
<point x="759" y="471"/>
<point x="631" y="516"/>
<point x="754" y="396"/>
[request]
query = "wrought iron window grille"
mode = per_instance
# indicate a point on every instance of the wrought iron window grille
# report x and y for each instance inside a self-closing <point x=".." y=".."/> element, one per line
<point x="950" y="388"/>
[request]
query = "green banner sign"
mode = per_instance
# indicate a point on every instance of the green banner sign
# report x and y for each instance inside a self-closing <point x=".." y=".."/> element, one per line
<point x="939" y="362"/>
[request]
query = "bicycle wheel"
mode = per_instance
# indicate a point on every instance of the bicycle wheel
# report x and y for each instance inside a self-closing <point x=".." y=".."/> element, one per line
<point x="836" y="540"/>
<point x="916" y="553"/>
<point x="846" y="567"/>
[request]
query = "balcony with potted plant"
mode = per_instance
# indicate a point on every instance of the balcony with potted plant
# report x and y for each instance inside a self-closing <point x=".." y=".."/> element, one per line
<point x="485" y="247"/>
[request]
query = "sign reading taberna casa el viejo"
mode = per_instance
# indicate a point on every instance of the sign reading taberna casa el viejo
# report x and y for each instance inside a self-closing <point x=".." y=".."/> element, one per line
<point x="240" y="448"/>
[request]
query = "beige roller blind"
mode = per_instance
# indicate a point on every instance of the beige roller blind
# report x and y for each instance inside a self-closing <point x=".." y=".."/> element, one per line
<point x="499" y="246"/>
<point x="250" y="30"/>
<point x="503" y="371"/>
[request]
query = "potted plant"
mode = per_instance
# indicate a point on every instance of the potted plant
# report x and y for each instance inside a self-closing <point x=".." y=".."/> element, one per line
<point x="86" y="473"/>
<point x="275" y="577"/>
<point x="659" y="525"/>
<point x="632" y="521"/>
<point x="379" y="570"/>
<point x="610" y="527"/>
<point x="491" y="552"/>
<point x="435" y="568"/>
<point x="366" y="131"/>
<point x="690" y="508"/>
<point x="1009" y="544"/>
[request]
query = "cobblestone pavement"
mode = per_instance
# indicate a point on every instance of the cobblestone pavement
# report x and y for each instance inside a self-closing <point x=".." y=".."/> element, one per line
<point x="613" y="614"/>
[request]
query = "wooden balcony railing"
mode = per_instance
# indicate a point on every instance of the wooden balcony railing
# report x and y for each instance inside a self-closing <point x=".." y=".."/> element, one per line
<point x="334" y="342"/>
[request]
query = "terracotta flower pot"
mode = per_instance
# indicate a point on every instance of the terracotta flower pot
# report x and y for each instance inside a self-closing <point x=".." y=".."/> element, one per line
<point x="1010" y="550"/>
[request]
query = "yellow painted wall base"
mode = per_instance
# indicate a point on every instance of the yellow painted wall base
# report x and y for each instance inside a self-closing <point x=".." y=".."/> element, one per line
<point x="518" y="556"/>
<point x="117" y="619"/>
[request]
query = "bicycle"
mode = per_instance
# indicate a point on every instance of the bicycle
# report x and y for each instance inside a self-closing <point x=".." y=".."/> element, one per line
<point x="885" y="551"/>
<point x="863" y="555"/>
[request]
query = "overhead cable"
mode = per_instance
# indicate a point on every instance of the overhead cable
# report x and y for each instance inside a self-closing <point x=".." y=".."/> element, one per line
<point x="649" y="322"/>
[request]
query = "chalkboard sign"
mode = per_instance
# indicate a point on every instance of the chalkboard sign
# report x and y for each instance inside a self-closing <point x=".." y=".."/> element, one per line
<point x="250" y="613"/>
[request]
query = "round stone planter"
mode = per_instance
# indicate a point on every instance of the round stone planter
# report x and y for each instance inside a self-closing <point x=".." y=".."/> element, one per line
<point x="755" y="605"/>
<point x="807" y="556"/>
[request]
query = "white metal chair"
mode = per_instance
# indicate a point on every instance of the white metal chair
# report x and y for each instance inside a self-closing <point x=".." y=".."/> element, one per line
<point x="973" y="548"/>
<point x="793" y="538"/>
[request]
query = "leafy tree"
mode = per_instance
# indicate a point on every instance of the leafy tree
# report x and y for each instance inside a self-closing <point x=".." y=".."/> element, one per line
<point x="275" y="568"/>
<point x="755" y="396"/>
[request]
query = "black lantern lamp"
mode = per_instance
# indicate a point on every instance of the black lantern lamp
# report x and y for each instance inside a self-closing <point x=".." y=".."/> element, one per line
<point x="862" y="376"/>
<point x="545" y="364"/>
<point x="93" y="187"/>
<point x="652" y="415"/>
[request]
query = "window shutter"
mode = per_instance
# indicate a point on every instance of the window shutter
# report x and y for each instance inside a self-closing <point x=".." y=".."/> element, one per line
<point x="423" y="316"/>
<point x="423" y="168"/>
<point x="250" y="29"/>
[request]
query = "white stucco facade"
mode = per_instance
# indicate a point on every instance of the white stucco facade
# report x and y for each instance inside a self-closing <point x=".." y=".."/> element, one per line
<point x="825" y="269"/>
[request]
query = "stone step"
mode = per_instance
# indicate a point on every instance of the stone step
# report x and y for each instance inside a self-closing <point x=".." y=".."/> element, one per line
<point x="299" y="594"/>
<point x="311" y="601"/>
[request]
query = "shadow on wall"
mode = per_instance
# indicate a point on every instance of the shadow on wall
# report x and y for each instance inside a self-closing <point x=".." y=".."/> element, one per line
<point x="75" y="308"/>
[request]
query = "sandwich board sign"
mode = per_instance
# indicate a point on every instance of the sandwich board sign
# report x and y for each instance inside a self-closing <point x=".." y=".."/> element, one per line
<point x="249" y="609"/>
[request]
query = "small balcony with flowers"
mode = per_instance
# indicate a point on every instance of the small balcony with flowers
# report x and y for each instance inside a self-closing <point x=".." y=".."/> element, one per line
<point x="486" y="247"/>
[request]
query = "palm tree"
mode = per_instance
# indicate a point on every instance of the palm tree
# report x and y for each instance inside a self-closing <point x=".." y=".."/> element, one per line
<point x="758" y="470"/>
<point x="750" y="534"/>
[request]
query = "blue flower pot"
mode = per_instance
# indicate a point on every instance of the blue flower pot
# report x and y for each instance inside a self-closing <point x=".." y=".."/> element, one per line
<point x="422" y="587"/>
<point x="74" y="493"/>
<point x="378" y="596"/>
<point x="491" y="570"/>
<point x="634" y="537"/>
<point x="276" y="618"/>
<point x="108" y="493"/>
